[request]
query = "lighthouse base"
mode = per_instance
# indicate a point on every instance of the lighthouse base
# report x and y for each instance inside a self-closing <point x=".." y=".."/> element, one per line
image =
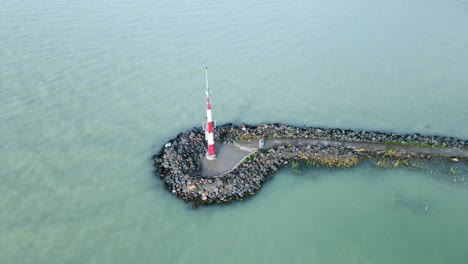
<point x="210" y="157"/>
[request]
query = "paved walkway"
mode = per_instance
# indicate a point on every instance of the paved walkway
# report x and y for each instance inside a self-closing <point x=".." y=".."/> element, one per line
<point x="227" y="158"/>
<point x="230" y="156"/>
<point x="445" y="152"/>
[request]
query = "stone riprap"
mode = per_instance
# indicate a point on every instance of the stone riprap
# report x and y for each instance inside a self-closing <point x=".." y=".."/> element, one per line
<point x="178" y="162"/>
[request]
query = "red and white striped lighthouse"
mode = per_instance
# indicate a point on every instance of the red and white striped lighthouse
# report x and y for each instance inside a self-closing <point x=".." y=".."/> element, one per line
<point x="210" y="124"/>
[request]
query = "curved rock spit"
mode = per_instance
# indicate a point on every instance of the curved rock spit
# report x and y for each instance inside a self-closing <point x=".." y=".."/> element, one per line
<point x="178" y="163"/>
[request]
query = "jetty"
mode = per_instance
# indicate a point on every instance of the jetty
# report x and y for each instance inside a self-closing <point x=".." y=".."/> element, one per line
<point x="231" y="155"/>
<point x="197" y="170"/>
<point x="248" y="155"/>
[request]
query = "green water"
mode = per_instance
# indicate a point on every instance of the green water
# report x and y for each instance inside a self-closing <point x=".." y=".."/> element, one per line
<point x="89" y="90"/>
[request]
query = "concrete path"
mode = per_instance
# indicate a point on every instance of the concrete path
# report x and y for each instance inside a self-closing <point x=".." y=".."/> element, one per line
<point x="230" y="156"/>
<point x="227" y="158"/>
<point x="445" y="152"/>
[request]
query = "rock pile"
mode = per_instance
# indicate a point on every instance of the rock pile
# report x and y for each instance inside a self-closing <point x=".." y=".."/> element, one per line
<point x="178" y="162"/>
<point x="230" y="133"/>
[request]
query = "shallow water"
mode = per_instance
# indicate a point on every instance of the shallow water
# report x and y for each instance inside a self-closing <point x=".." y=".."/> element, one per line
<point x="89" y="91"/>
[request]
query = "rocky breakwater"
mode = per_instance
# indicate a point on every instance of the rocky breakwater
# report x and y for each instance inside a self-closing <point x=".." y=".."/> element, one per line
<point x="230" y="133"/>
<point x="178" y="162"/>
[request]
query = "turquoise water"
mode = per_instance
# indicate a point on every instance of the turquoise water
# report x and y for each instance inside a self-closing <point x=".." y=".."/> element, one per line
<point x="89" y="91"/>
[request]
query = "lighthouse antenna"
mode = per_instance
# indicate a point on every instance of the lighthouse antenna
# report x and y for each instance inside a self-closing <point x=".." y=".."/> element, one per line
<point x="206" y="81"/>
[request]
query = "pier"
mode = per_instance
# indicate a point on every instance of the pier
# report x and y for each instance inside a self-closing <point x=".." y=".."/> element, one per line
<point x="231" y="155"/>
<point x="196" y="169"/>
<point x="241" y="167"/>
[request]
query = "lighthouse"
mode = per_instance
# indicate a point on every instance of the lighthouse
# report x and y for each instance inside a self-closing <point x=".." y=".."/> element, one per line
<point x="209" y="125"/>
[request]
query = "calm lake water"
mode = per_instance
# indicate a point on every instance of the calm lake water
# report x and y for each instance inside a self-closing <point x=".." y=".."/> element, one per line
<point x="89" y="90"/>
